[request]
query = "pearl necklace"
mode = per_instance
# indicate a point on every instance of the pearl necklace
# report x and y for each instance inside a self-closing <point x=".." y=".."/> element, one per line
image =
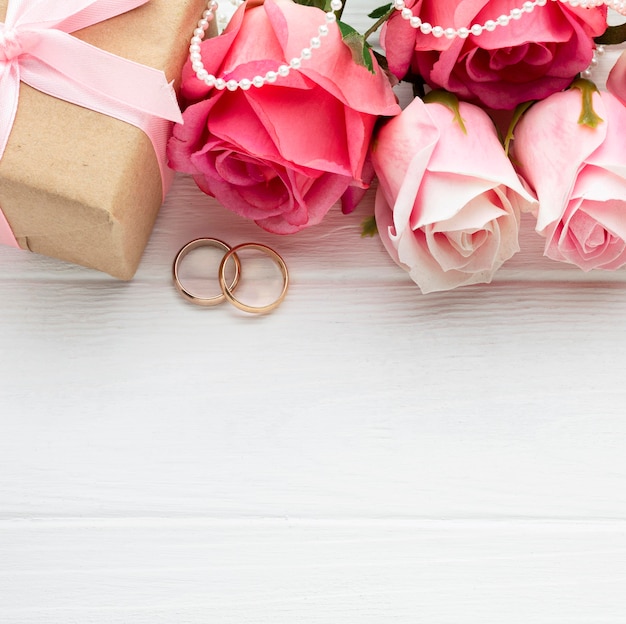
<point x="425" y="28"/>
<point x="257" y="81"/>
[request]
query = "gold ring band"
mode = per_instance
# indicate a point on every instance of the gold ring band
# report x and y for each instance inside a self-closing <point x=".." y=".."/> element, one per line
<point x="206" y="242"/>
<point x="228" y="290"/>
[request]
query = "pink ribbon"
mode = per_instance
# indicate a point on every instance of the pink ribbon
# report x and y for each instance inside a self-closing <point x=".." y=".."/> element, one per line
<point x="37" y="49"/>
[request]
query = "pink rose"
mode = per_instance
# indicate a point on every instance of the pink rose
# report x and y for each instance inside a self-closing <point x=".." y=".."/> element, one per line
<point x="448" y="203"/>
<point x="536" y="55"/>
<point x="616" y="81"/>
<point x="284" y="153"/>
<point x="579" y="176"/>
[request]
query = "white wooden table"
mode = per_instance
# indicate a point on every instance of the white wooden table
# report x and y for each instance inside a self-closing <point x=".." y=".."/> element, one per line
<point x="363" y="454"/>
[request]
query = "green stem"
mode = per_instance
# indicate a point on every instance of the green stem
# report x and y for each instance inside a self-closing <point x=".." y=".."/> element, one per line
<point x="612" y="35"/>
<point x="379" y="22"/>
<point x="519" y="111"/>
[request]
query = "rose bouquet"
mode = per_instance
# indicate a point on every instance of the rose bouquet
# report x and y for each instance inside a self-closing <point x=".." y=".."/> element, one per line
<point x="289" y="111"/>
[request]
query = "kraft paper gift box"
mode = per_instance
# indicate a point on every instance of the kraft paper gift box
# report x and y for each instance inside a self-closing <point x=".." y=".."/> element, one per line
<point x="80" y="185"/>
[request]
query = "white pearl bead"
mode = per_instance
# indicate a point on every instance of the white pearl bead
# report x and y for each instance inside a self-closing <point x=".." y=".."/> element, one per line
<point x="258" y="81"/>
<point x="220" y="84"/>
<point x="426" y="28"/>
<point x="232" y="85"/>
<point x="306" y="54"/>
<point x="407" y="14"/>
<point x="415" y="21"/>
<point x="336" y="5"/>
<point x="295" y="63"/>
<point x="271" y="76"/>
<point x="245" y="84"/>
<point x="283" y="71"/>
<point x="315" y="43"/>
<point x="476" y="30"/>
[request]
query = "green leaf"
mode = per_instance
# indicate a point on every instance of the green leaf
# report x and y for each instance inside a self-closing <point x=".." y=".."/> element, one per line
<point x="520" y="109"/>
<point x="360" y="49"/>
<point x="588" y="116"/>
<point x="318" y="4"/>
<point x="449" y="100"/>
<point x="380" y="11"/>
<point x="369" y="227"/>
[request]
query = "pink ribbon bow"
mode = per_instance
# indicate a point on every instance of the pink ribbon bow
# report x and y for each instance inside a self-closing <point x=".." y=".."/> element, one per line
<point x="37" y="49"/>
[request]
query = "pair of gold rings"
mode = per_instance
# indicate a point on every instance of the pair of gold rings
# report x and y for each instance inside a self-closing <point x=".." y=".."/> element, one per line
<point x="226" y="288"/>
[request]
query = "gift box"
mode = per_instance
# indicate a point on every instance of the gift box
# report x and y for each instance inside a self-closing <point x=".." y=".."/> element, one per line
<point x="79" y="182"/>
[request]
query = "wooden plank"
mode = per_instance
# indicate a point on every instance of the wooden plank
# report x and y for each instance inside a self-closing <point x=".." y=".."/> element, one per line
<point x="196" y="570"/>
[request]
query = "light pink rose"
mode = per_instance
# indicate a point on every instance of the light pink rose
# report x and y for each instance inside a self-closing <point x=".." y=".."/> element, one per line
<point x="579" y="176"/>
<point x="284" y="153"/>
<point x="528" y="59"/>
<point x="616" y="81"/>
<point x="448" y="202"/>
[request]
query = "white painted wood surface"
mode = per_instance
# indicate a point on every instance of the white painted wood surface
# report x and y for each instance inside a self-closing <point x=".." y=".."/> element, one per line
<point x="363" y="454"/>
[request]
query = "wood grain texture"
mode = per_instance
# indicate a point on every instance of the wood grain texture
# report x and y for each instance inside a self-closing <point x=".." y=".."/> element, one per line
<point x="275" y="571"/>
<point x="363" y="454"/>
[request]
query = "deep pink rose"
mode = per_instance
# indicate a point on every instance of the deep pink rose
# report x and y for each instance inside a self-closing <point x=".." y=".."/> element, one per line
<point x="284" y="153"/>
<point x="579" y="176"/>
<point x="448" y="202"/>
<point x="536" y="55"/>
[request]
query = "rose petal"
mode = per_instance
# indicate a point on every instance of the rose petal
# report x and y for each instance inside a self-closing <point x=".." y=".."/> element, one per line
<point x="475" y="153"/>
<point x="331" y="66"/>
<point x="401" y="152"/>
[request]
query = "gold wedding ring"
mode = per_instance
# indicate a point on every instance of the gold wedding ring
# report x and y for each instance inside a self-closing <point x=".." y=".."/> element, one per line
<point x="206" y="242"/>
<point x="228" y="290"/>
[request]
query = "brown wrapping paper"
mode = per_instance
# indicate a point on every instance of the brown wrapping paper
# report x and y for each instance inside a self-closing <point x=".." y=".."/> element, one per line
<point x="81" y="186"/>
